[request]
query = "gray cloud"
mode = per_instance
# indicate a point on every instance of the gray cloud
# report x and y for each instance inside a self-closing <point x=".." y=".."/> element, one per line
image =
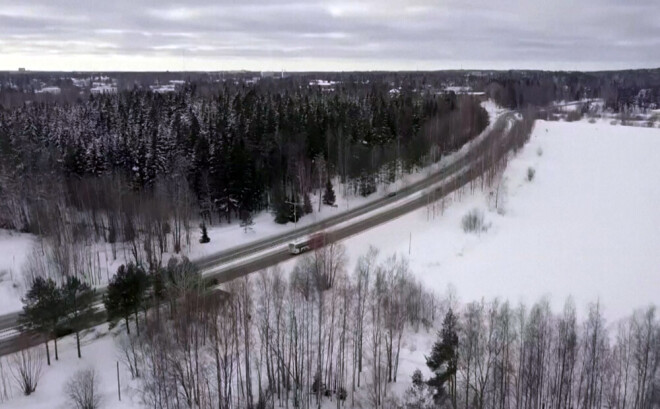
<point x="331" y="35"/>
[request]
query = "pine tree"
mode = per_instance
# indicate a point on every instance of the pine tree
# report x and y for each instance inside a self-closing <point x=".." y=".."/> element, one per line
<point x="77" y="298"/>
<point x="126" y="294"/>
<point x="443" y="360"/>
<point x="246" y="220"/>
<point x="43" y="310"/>
<point x="329" y="194"/>
<point x="205" y="234"/>
<point x="282" y="213"/>
<point x="286" y="211"/>
<point x="281" y="209"/>
<point x="307" y="204"/>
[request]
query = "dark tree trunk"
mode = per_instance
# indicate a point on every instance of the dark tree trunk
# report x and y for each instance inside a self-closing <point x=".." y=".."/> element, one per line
<point x="78" y="343"/>
<point x="47" y="353"/>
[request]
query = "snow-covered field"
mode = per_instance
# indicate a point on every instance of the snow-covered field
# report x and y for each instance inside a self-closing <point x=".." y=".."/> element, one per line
<point x="586" y="226"/>
<point x="596" y="113"/>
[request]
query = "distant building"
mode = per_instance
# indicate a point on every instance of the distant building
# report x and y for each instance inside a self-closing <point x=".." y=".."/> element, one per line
<point x="81" y="82"/>
<point x="49" y="90"/>
<point x="98" y="88"/>
<point x="322" y="83"/>
<point x="21" y="69"/>
<point x="461" y="91"/>
<point x="161" y="89"/>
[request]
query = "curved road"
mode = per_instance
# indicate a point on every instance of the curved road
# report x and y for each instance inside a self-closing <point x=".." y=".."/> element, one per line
<point x="229" y="264"/>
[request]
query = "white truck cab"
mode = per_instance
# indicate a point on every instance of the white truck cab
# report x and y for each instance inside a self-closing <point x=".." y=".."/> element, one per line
<point x="299" y="246"/>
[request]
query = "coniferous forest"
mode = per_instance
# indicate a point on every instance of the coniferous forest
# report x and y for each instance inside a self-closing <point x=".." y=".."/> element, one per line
<point x="100" y="161"/>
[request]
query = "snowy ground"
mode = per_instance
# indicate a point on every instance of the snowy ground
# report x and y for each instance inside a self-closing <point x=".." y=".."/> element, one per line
<point x="99" y="352"/>
<point x="586" y="226"/>
<point x="14" y="250"/>
<point x="598" y="114"/>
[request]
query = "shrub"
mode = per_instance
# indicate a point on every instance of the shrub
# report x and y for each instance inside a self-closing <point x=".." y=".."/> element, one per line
<point x="82" y="390"/>
<point x="473" y="222"/>
<point x="367" y="185"/>
<point x="26" y="368"/>
<point x="417" y="379"/>
<point x="246" y="220"/>
<point x="530" y="174"/>
<point x="573" y="116"/>
<point x="539" y="151"/>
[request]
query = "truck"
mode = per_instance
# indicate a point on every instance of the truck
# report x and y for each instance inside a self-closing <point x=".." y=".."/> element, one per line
<point x="307" y="243"/>
<point x="298" y="246"/>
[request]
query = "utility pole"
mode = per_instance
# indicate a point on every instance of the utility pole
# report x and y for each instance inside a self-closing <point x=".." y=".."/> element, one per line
<point x="320" y="164"/>
<point x="118" y="384"/>
<point x="295" y="214"/>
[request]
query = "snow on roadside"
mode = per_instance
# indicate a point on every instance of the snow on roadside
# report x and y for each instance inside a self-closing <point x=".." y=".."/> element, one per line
<point x="14" y="251"/>
<point x="99" y="352"/>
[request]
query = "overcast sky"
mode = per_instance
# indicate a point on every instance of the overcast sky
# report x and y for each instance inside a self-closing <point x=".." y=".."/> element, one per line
<point x="299" y="35"/>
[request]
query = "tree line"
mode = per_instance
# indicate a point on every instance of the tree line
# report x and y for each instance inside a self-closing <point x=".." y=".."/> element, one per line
<point x="322" y="335"/>
<point x="269" y="339"/>
<point x="140" y="170"/>
<point x="244" y="148"/>
<point x="494" y="355"/>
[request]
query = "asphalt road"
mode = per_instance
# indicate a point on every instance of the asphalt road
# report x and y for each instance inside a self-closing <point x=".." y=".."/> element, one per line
<point x="455" y="175"/>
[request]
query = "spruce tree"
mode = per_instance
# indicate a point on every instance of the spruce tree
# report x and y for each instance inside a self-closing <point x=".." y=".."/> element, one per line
<point x="329" y="194"/>
<point x="43" y="310"/>
<point x="78" y="298"/>
<point x="205" y="234"/>
<point x="443" y="360"/>
<point x="307" y="204"/>
<point x="282" y="213"/>
<point x="126" y="294"/>
<point x="246" y="220"/>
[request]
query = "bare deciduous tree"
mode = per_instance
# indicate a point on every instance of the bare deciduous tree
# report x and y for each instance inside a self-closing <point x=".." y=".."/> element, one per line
<point x="26" y="368"/>
<point x="82" y="389"/>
